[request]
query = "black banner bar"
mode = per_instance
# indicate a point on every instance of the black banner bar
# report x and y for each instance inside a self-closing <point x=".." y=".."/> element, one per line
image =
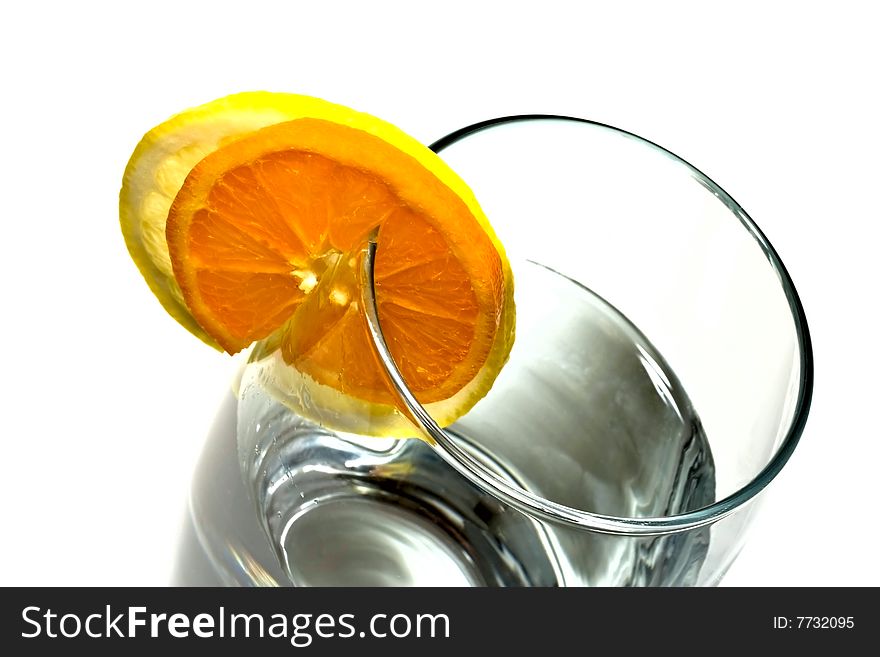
<point x="430" y="621"/>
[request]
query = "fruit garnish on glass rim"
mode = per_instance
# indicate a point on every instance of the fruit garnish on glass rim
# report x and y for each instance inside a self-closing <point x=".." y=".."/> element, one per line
<point x="247" y="216"/>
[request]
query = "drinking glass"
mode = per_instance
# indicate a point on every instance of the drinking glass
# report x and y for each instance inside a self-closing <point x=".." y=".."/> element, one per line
<point x="660" y="379"/>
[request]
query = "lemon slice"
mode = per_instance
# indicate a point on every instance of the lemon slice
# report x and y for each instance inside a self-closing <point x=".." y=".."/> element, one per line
<point x="247" y="215"/>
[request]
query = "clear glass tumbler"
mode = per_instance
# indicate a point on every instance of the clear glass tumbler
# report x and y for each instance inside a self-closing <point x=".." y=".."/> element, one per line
<point x="660" y="379"/>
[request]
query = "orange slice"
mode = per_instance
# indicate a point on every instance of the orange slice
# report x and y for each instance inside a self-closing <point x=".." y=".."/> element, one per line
<point x="264" y="238"/>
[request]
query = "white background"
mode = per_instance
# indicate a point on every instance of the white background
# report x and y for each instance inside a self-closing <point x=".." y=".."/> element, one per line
<point x="105" y="399"/>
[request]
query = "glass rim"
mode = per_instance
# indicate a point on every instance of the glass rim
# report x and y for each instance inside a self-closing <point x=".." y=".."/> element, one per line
<point x="551" y="511"/>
